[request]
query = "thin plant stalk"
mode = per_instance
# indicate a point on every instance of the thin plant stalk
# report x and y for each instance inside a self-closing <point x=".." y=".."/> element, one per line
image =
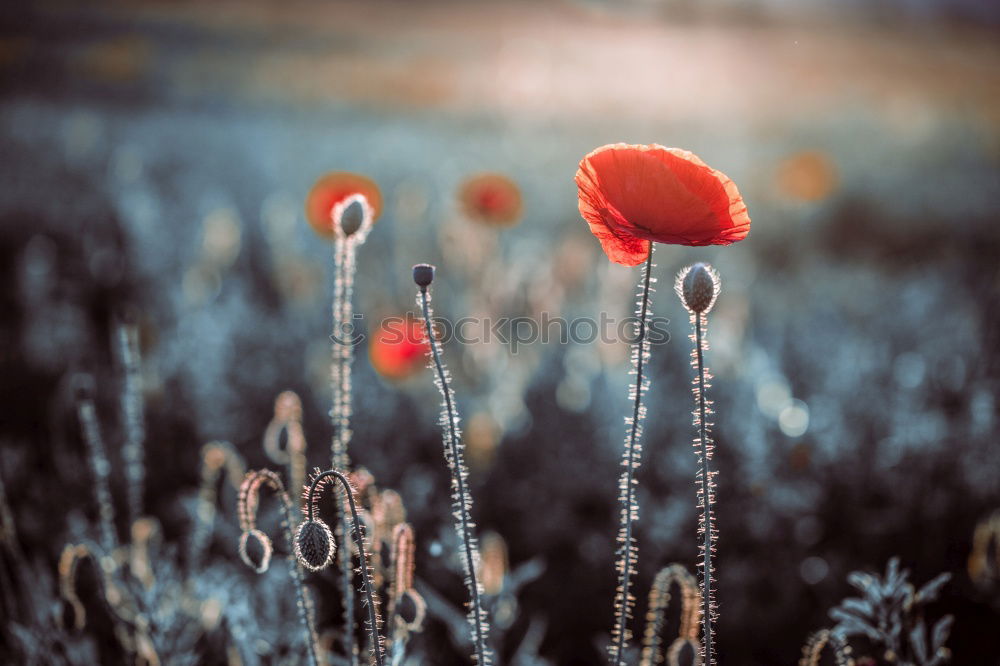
<point x="461" y="498"/>
<point x="706" y="492"/>
<point x="628" y="552"/>
<point x="698" y="288"/>
<point x="101" y="469"/>
<point x="345" y="252"/>
<point x="359" y="539"/>
<point x="132" y="411"/>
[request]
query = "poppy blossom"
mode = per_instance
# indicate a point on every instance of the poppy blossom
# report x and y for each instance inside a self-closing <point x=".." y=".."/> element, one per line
<point x="334" y="189"/>
<point x="491" y="198"/>
<point x="398" y="348"/>
<point x="630" y="195"/>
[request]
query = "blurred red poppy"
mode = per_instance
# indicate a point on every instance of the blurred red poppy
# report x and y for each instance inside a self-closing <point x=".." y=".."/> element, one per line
<point x="398" y="348"/>
<point x="630" y="195"/>
<point x="491" y="198"/>
<point x="332" y="189"/>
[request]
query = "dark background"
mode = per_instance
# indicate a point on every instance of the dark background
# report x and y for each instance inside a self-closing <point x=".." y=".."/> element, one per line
<point x="855" y="344"/>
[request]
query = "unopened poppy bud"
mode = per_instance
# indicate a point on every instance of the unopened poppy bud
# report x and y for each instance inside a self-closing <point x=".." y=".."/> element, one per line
<point x="314" y="545"/>
<point x="684" y="652"/>
<point x="411" y="609"/>
<point x="255" y="550"/>
<point x="352" y="218"/>
<point x="423" y="275"/>
<point x="698" y="287"/>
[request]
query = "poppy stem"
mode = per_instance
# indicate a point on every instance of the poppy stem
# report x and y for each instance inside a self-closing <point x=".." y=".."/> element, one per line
<point x="100" y="467"/>
<point x="707" y="497"/>
<point x="462" y="500"/>
<point x="340" y="379"/>
<point x="628" y="553"/>
<point x="132" y="411"/>
<point x="359" y="540"/>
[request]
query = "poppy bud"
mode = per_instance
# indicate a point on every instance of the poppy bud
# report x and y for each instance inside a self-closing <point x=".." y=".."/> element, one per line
<point x="255" y="550"/>
<point x="423" y="275"/>
<point x="698" y="287"/>
<point x="411" y="609"/>
<point x="314" y="545"/>
<point x="684" y="652"/>
<point x="352" y="217"/>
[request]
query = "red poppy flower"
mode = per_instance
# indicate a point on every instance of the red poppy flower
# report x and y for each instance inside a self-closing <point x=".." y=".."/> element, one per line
<point x="491" y="198"/>
<point x="398" y="348"/>
<point x="334" y="188"/>
<point x="634" y="194"/>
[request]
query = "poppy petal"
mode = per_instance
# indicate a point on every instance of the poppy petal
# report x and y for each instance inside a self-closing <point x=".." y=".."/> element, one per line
<point x="653" y="193"/>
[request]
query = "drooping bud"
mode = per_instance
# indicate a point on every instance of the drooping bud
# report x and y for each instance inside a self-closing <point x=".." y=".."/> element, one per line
<point x="314" y="545"/>
<point x="698" y="287"/>
<point x="352" y="218"/>
<point x="255" y="550"/>
<point x="411" y="610"/>
<point x="423" y="275"/>
<point x="684" y="652"/>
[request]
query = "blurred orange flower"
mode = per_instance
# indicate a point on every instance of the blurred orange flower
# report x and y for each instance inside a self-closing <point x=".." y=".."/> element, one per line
<point x="807" y="176"/>
<point x="398" y="348"/>
<point x="332" y="189"/>
<point x="631" y="194"/>
<point x="491" y="198"/>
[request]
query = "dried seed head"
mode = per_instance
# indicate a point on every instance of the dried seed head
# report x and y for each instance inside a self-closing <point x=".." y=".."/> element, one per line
<point x="255" y="550"/>
<point x="698" y="287"/>
<point x="411" y="610"/>
<point x="314" y="545"/>
<point x="423" y="275"/>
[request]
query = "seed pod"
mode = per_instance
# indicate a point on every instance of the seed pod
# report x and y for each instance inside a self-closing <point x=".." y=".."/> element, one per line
<point x="314" y="545"/>
<point x="255" y="550"/>
<point x="698" y="287"/>
<point x="423" y="275"/>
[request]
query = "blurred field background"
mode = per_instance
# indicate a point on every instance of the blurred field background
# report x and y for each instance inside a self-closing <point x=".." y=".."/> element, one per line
<point x="155" y="157"/>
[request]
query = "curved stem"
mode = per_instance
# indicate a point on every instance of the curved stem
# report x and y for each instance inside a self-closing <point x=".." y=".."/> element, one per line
<point x="631" y="462"/>
<point x="359" y="540"/>
<point x="458" y="474"/>
<point x="706" y="490"/>
<point x="248" y="503"/>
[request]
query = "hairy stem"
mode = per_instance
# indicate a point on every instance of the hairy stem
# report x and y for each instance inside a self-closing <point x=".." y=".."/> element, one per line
<point x="304" y="602"/>
<point x="706" y="494"/>
<point x="247" y="506"/>
<point x="630" y="461"/>
<point x="135" y="429"/>
<point x="340" y="415"/>
<point x="358" y="532"/>
<point x="101" y="469"/>
<point x="463" y="500"/>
